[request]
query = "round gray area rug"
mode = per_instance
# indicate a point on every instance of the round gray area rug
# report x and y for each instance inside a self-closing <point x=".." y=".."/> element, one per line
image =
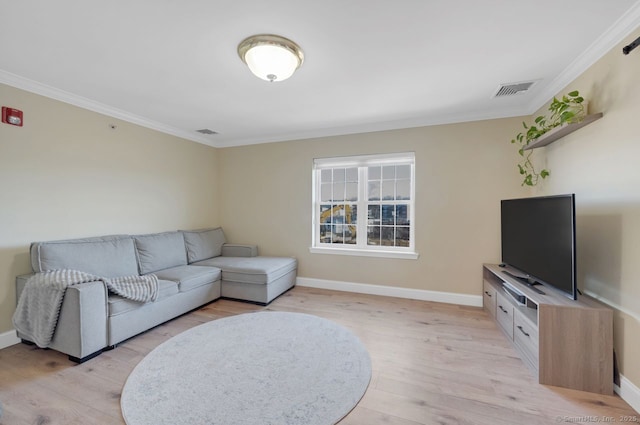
<point x="267" y="368"/>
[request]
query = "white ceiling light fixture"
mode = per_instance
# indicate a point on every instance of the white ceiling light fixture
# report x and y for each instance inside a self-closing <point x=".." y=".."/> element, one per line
<point x="271" y="57"/>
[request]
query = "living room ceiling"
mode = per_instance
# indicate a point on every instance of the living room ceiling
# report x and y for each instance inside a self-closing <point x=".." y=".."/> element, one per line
<point x="369" y="65"/>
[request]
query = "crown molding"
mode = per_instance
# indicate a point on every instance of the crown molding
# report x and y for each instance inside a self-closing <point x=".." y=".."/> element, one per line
<point x="82" y="102"/>
<point x="400" y="124"/>
<point x="629" y="22"/>
<point x="85" y="103"/>
<point x="614" y="35"/>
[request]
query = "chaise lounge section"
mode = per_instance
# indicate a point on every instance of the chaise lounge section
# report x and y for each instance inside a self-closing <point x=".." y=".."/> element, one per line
<point x="193" y="267"/>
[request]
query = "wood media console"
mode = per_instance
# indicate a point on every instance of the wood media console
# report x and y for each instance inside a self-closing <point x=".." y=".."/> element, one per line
<point x="566" y="343"/>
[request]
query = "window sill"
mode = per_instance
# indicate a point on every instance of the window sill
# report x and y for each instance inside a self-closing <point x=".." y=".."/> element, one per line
<point x="365" y="253"/>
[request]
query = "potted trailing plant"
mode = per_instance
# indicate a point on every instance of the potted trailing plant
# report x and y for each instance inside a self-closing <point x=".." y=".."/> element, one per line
<point x="571" y="108"/>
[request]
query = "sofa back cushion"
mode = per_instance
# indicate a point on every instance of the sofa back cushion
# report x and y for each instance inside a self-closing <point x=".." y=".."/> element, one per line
<point x="159" y="251"/>
<point x="203" y="244"/>
<point x="104" y="256"/>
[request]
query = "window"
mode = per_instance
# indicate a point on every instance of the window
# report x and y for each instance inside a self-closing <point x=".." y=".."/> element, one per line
<point x="364" y="205"/>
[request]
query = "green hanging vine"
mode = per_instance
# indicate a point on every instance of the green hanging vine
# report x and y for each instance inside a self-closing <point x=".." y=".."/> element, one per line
<point x="569" y="109"/>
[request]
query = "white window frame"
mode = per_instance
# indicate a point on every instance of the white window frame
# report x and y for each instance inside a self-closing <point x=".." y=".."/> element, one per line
<point x="361" y="248"/>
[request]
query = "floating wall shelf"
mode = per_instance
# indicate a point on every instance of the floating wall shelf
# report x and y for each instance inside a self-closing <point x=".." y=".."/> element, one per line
<point x="562" y="131"/>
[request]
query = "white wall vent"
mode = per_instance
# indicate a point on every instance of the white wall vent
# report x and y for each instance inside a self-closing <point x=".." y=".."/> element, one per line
<point x="513" y="88"/>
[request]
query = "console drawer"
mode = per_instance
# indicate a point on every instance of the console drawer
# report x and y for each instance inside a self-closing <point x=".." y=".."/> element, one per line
<point x="525" y="336"/>
<point x="489" y="297"/>
<point x="504" y="313"/>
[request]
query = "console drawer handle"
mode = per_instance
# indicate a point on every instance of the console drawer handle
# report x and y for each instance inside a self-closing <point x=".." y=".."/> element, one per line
<point x="488" y="294"/>
<point x="522" y="330"/>
<point x="503" y="310"/>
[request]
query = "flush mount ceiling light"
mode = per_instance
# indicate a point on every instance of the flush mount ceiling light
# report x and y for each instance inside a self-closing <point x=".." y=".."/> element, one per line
<point x="271" y="57"/>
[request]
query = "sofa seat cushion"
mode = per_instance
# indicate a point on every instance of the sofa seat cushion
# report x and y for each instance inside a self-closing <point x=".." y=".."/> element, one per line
<point x="257" y="270"/>
<point x="189" y="277"/>
<point x="119" y="305"/>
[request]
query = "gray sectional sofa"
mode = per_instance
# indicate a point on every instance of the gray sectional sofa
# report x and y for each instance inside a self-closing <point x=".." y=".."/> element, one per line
<point x="193" y="268"/>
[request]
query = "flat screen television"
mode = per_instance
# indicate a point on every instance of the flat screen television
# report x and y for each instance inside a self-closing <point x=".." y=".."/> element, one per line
<point x="539" y="240"/>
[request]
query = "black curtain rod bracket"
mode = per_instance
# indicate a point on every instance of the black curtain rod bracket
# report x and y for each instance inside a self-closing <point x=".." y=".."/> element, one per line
<point x="630" y="47"/>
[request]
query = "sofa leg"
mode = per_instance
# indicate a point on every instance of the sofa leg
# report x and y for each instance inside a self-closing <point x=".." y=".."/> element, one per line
<point x="110" y="347"/>
<point x="85" y="358"/>
<point x="27" y="342"/>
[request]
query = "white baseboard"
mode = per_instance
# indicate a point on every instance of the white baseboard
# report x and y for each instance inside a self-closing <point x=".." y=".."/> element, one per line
<point x="628" y="392"/>
<point x="391" y="291"/>
<point x="8" y="339"/>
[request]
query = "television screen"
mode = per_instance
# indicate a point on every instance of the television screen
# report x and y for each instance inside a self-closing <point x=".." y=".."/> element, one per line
<point x="538" y="238"/>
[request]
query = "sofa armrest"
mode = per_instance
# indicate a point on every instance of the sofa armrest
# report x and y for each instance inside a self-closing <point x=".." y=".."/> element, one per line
<point x="239" y="250"/>
<point x="82" y="323"/>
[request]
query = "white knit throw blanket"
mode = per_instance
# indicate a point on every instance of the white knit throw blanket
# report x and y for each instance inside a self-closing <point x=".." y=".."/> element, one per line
<point x="39" y="305"/>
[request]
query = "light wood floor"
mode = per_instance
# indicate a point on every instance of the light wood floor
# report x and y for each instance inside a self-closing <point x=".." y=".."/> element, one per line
<point x="432" y="364"/>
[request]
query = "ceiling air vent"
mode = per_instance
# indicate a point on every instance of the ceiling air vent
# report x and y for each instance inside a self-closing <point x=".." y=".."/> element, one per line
<point x="207" y="131"/>
<point x="513" y="89"/>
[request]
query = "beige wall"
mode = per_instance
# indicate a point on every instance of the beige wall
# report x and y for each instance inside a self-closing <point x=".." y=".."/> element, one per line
<point x="66" y="174"/>
<point x="462" y="171"/>
<point x="600" y="164"/>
